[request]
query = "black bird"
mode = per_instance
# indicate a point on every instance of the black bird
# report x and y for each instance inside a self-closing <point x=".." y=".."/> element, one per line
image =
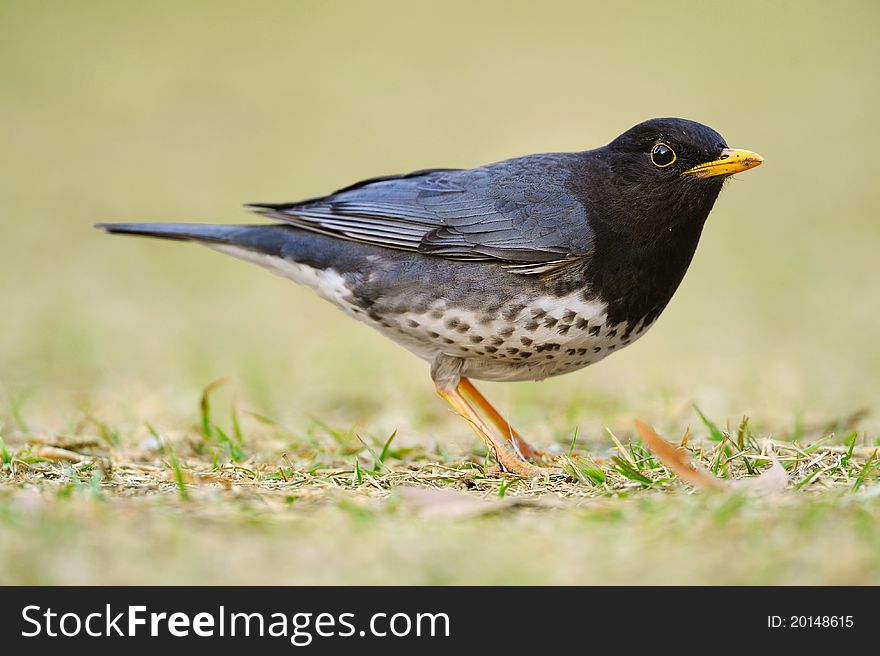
<point x="526" y="268"/>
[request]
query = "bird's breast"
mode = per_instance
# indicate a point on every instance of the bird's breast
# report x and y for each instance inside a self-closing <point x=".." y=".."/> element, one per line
<point x="520" y="338"/>
<point x="519" y="332"/>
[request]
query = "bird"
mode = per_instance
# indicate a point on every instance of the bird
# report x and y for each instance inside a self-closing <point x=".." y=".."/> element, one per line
<point x="519" y="270"/>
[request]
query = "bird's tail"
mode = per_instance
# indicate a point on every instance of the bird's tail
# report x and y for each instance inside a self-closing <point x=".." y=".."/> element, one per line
<point x="218" y="234"/>
<point x="253" y="241"/>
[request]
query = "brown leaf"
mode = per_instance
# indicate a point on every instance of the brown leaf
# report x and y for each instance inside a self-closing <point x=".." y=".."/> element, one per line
<point x="678" y="461"/>
<point x="55" y="453"/>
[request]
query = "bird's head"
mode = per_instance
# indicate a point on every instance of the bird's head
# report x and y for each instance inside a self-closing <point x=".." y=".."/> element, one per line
<point x="667" y="173"/>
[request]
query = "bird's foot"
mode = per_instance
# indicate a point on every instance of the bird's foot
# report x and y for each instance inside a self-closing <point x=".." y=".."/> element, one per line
<point x="510" y="463"/>
<point x="516" y="441"/>
<point x="510" y="460"/>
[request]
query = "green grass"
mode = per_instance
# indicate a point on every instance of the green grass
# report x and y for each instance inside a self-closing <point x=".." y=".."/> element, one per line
<point x="154" y="508"/>
<point x="118" y="467"/>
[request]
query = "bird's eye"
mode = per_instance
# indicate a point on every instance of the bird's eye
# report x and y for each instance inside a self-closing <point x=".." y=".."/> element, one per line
<point x="662" y="155"/>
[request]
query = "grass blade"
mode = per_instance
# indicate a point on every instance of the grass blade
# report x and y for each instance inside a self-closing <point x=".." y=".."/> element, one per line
<point x="715" y="433"/>
<point x="868" y="466"/>
<point x="179" y="478"/>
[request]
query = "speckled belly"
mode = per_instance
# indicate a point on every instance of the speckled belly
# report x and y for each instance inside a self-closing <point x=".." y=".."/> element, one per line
<point x="525" y="339"/>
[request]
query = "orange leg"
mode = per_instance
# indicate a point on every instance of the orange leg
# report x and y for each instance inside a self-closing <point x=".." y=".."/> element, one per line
<point x="523" y="448"/>
<point x="509" y="461"/>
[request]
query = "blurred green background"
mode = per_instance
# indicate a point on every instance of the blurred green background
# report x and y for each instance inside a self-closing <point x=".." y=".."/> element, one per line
<point x="165" y="111"/>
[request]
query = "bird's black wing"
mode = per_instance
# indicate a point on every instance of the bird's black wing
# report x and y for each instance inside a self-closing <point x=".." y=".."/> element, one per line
<point x="519" y="212"/>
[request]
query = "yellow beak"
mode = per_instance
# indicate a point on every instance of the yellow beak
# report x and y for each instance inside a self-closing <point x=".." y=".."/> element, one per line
<point x="732" y="160"/>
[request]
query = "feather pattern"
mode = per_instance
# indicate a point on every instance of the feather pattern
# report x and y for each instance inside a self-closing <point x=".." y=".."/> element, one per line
<point x="516" y="212"/>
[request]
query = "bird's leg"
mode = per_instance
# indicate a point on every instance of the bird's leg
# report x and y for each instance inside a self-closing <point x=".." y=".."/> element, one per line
<point x="509" y="461"/>
<point x="446" y="374"/>
<point x="517" y="442"/>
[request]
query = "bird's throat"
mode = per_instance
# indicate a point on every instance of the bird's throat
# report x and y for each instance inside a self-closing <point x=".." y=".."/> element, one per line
<point x="637" y="276"/>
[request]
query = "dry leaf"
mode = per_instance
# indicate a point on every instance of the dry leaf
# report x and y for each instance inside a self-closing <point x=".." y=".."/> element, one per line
<point x="56" y="453"/>
<point x="772" y="480"/>
<point x="679" y="462"/>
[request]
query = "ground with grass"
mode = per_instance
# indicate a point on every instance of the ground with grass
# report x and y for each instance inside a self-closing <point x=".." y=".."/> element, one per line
<point x="253" y="503"/>
<point x="112" y="471"/>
